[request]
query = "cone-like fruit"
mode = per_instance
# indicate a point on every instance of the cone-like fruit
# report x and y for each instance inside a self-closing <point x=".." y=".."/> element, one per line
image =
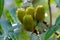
<point x="28" y="23"/>
<point x="30" y="11"/>
<point x="20" y="14"/>
<point x="40" y="13"/>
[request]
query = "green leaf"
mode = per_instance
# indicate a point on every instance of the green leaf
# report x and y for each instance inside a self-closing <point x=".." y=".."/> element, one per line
<point x="1" y="6"/>
<point x="7" y="27"/>
<point x="23" y="36"/>
<point x="41" y="26"/>
<point x="38" y="2"/>
<point x="1" y="38"/>
<point x="51" y="31"/>
<point x="59" y="38"/>
<point x="42" y="36"/>
<point x="18" y="2"/>
<point x="52" y="1"/>
<point x="58" y="3"/>
<point x="9" y="17"/>
<point x="1" y="30"/>
<point x="57" y="21"/>
<point x="13" y="14"/>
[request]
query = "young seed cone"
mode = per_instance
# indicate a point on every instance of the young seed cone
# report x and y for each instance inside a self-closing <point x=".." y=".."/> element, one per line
<point x="20" y="14"/>
<point x="40" y="13"/>
<point x="28" y="23"/>
<point x="30" y="11"/>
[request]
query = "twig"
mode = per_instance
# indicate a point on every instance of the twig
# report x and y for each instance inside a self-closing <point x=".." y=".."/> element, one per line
<point x="46" y="23"/>
<point x="50" y="13"/>
<point x="38" y="35"/>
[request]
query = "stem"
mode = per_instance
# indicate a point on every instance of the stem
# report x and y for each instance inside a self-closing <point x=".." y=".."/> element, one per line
<point x="50" y="13"/>
<point x="38" y="35"/>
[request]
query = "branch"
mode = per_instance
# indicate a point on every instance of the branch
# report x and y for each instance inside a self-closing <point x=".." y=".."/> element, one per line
<point x="38" y="34"/>
<point x="50" y="13"/>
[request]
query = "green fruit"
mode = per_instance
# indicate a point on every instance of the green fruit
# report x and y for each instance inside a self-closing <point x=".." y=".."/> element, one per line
<point x="20" y="14"/>
<point x="30" y="11"/>
<point x="28" y="23"/>
<point x="40" y="13"/>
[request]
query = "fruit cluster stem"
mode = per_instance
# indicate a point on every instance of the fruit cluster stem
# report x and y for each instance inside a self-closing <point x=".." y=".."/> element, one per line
<point x="50" y="13"/>
<point x="38" y="35"/>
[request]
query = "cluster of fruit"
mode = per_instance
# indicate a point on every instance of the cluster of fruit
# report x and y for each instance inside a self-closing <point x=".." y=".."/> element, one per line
<point x="29" y="16"/>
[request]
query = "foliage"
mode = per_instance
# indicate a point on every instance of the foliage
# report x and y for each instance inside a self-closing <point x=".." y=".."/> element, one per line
<point x="12" y="29"/>
<point x="18" y="2"/>
<point x="1" y="6"/>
